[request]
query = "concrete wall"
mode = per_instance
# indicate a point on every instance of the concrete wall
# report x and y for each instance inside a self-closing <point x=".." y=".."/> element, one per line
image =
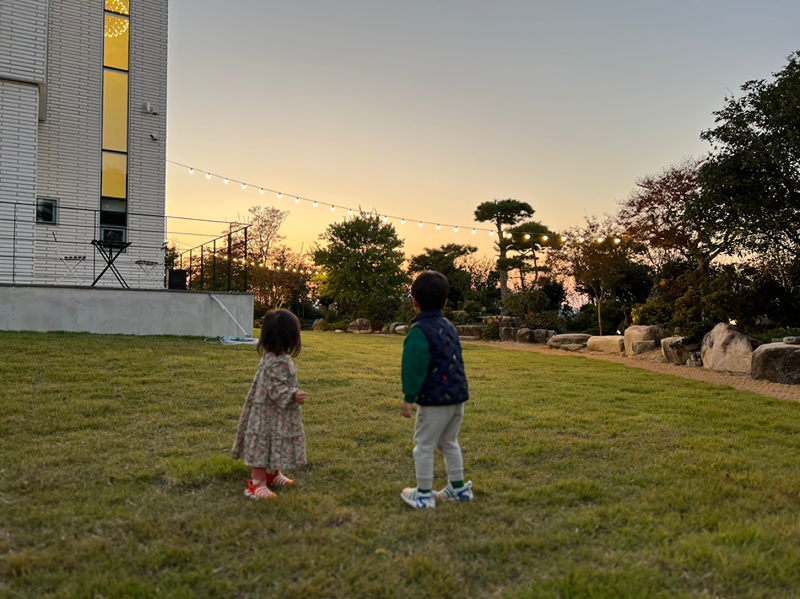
<point x="126" y="312"/>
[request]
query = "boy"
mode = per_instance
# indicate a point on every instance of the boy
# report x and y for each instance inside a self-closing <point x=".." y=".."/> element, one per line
<point x="433" y="377"/>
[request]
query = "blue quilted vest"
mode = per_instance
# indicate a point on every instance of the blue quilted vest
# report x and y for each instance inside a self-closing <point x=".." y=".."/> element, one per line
<point x="446" y="383"/>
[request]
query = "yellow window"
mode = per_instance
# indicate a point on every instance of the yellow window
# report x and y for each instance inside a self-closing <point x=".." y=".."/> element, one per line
<point x="119" y="6"/>
<point x="115" y="111"/>
<point x="115" y="175"/>
<point x="116" y="42"/>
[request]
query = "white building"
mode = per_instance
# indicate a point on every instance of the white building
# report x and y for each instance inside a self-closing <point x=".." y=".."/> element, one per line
<point x="83" y="97"/>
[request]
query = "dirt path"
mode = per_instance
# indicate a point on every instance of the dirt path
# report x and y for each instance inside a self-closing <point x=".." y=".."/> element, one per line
<point x="654" y="362"/>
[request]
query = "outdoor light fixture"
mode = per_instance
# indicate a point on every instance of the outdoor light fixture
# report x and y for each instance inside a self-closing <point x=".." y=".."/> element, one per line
<point x="225" y="180"/>
<point x="333" y="208"/>
<point x="600" y="240"/>
<point x="350" y="212"/>
<point x="296" y="200"/>
<point x="261" y="191"/>
<point x="491" y="233"/>
<point x="402" y="221"/>
<point x="545" y="238"/>
<point x="420" y="224"/>
<point x="474" y="232"/>
<point x="563" y="238"/>
<point x="279" y="195"/>
<point x="315" y="204"/>
<point x="208" y="175"/>
<point x="455" y="229"/>
<point x="526" y="236"/>
<point x="580" y="239"/>
<point x="244" y="186"/>
<point x="385" y="219"/>
<point x="191" y="171"/>
<point x="438" y="227"/>
<point x="617" y="240"/>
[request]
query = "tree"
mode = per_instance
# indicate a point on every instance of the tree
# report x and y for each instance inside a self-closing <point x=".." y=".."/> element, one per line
<point x="443" y="260"/>
<point x="263" y="234"/>
<point x="484" y="280"/>
<point x="603" y="265"/>
<point x="503" y="213"/>
<point x="363" y="260"/>
<point x="526" y="240"/>
<point x="751" y="179"/>
<point x="662" y="212"/>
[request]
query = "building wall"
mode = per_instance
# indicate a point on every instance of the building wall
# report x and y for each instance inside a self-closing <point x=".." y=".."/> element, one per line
<point x="59" y="49"/>
<point x="23" y="68"/>
<point x="125" y="312"/>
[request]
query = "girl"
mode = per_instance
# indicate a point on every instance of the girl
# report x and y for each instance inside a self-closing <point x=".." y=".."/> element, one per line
<point x="270" y="436"/>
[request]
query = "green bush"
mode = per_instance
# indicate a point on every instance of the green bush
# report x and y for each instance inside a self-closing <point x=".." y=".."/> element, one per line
<point x="332" y="326"/>
<point x="524" y="303"/>
<point x="472" y="308"/>
<point x="491" y="332"/>
<point x="768" y="336"/>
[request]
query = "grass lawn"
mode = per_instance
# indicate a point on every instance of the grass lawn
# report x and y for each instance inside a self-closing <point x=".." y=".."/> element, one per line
<point x="592" y="479"/>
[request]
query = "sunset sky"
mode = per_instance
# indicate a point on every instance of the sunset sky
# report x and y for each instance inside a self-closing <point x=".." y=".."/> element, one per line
<point x="425" y="109"/>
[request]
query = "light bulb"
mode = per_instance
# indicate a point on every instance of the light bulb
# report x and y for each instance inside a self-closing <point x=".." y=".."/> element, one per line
<point x="438" y="227"/>
<point x="270" y="266"/>
<point x="244" y="186"/>
<point x="280" y="195"/>
<point x="296" y="200"/>
<point x="369" y="216"/>
<point x="225" y="180"/>
<point x="580" y="239"/>
<point x="208" y="175"/>
<point x="350" y="212"/>
<point x="420" y="224"/>
<point x="261" y="191"/>
<point x="455" y="229"/>
<point x="294" y="270"/>
<point x="474" y="231"/>
<point x="600" y="240"/>
<point x="333" y="208"/>
<point x="385" y="219"/>
<point x="526" y="236"/>
<point x="545" y="238"/>
<point x="260" y="265"/>
<point x="277" y="268"/>
<point x="491" y="233"/>
<point x="402" y="221"/>
<point x="191" y="171"/>
<point x="563" y="238"/>
<point x="315" y="204"/>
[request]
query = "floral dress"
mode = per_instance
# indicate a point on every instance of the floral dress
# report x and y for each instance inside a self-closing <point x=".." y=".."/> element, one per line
<point x="270" y="431"/>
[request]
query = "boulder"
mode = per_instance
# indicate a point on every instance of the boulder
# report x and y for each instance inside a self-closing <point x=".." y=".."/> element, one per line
<point x="694" y="361"/>
<point x="385" y="329"/>
<point x="572" y="346"/>
<point x="674" y="352"/>
<point x="360" y="325"/>
<point x="791" y="340"/>
<point x="642" y="333"/>
<point x="642" y="347"/>
<point x="393" y="327"/>
<point x="777" y="362"/>
<point x="317" y="326"/>
<point x="524" y="335"/>
<point x="401" y="329"/>
<point x="550" y="334"/>
<point x="507" y="333"/>
<point x="338" y="331"/>
<point x="727" y="349"/>
<point x="556" y="341"/>
<point x="539" y="336"/>
<point x="610" y="344"/>
<point x="470" y="330"/>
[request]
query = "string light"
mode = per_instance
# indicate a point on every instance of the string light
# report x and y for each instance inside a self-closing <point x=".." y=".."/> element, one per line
<point x="526" y="236"/>
<point x="420" y="224"/>
<point x="296" y="200"/>
<point x="474" y="231"/>
<point x="491" y="233"/>
<point x="225" y="181"/>
<point x="385" y="219"/>
<point x="315" y="204"/>
<point x="208" y="175"/>
<point x="545" y="238"/>
<point x="350" y="212"/>
<point x="402" y="221"/>
<point x="600" y="240"/>
<point x="261" y="191"/>
<point x="617" y="240"/>
<point x="333" y="208"/>
<point x="455" y="229"/>
<point x="563" y="238"/>
<point x="580" y="239"/>
<point x="244" y="185"/>
<point x="438" y="227"/>
<point x="191" y="171"/>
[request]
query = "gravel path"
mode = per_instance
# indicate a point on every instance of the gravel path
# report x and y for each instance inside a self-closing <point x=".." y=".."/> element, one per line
<point x="654" y="362"/>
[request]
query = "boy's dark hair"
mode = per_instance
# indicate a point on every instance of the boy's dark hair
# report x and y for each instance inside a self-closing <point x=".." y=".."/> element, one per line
<point x="280" y="333"/>
<point x="430" y="289"/>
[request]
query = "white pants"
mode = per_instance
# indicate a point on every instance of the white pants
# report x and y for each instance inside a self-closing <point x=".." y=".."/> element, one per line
<point x="438" y="426"/>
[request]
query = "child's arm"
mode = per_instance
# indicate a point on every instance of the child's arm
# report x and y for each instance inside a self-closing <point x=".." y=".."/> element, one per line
<point x="414" y="369"/>
<point x="281" y="385"/>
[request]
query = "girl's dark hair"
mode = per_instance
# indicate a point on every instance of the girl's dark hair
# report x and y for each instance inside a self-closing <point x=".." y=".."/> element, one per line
<point x="280" y="334"/>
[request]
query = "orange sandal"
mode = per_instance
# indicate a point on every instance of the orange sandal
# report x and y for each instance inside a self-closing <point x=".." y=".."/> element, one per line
<point x="259" y="492"/>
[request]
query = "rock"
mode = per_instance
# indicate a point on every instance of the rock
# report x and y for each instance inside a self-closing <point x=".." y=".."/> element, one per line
<point x="317" y="326"/>
<point x="539" y="336"/>
<point x="360" y="325"/>
<point x="523" y="335"/>
<point x="471" y="338"/>
<point x="550" y="334"/>
<point x="695" y="360"/>
<point x="610" y="344"/>
<point x="556" y="341"/>
<point x="642" y="347"/>
<point x="393" y="327"/>
<point x="791" y="340"/>
<point x="507" y="333"/>
<point x="385" y="330"/>
<point x="338" y="331"/>
<point x="401" y="329"/>
<point x="726" y="349"/>
<point x="642" y="333"/>
<point x="777" y="362"/>
<point x="470" y="330"/>
<point x="673" y="352"/>
<point x="572" y="346"/>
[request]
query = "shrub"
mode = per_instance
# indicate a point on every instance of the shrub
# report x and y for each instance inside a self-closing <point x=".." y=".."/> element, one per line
<point x="768" y="336"/>
<point x="473" y="309"/>
<point x="525" y="302"/>
<point x="491" y="332"/>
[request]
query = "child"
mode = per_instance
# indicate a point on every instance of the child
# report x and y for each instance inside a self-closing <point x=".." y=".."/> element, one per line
<point x="270" y="436"/>
<point x="433" y="377"/>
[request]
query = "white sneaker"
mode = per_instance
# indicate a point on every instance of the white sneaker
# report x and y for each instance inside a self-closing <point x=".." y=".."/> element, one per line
<point x="414" y="498"/>
<point x="450" y="494"/>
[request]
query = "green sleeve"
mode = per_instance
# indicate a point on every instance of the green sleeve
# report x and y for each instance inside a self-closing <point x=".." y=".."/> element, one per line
<point x="416" y="357"/>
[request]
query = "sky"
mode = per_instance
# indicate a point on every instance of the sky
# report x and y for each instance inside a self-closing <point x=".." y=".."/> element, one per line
<point x="423" y="110"/>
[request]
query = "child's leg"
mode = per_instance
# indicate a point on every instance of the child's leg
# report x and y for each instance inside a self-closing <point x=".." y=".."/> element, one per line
<point x="431" y="420"/>
<point x="448" y="443"/>
<point x="259" y="474"/>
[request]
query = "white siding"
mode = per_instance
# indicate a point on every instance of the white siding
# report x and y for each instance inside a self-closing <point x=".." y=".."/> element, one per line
<point x="23" y="39"/>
